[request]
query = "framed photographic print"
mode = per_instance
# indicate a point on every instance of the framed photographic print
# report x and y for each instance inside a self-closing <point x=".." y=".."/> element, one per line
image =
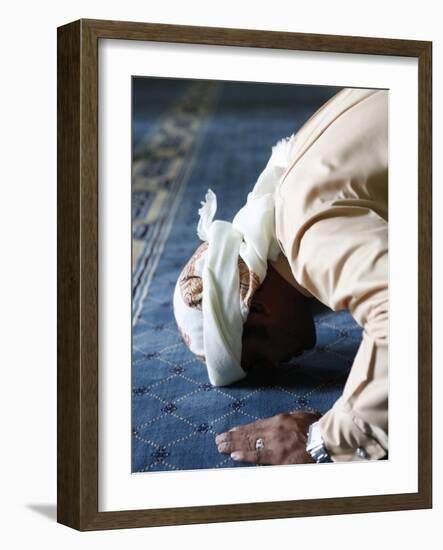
<point x="244" y="274"/>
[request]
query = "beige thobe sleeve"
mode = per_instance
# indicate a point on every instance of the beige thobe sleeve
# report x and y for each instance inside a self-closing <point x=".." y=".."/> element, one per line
<point x="331" y="221"/>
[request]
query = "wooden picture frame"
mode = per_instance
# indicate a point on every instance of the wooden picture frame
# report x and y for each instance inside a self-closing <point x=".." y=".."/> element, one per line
<point x="77" y="457"/>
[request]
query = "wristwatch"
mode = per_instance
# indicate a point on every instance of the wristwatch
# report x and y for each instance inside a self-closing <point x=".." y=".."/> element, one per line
<point x="315" y="445"/>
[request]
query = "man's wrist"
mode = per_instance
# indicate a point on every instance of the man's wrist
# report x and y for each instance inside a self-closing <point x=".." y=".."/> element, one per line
<point x="315" y="445"/>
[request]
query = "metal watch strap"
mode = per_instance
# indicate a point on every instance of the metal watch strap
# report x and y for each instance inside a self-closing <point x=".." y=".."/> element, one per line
<point x="315" y="445"/>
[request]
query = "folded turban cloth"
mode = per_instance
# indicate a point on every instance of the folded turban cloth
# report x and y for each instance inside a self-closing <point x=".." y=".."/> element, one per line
<point x="214" y="291"/>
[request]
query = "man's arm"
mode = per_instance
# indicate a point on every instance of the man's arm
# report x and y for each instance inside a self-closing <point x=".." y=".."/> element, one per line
<point x="343" y="261"/>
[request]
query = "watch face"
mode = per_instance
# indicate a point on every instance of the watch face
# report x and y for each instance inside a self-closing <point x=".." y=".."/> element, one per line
<point x="314" y="437"/>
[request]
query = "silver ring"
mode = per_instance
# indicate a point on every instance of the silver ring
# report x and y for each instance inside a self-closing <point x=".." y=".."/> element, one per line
<point x="260" y="444"/>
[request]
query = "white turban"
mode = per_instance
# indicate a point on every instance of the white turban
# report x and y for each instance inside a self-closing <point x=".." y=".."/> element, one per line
<point x="214" y="291"/>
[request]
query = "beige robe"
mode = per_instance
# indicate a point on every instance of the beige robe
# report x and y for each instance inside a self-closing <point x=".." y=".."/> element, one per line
<point x="332" y="225"/>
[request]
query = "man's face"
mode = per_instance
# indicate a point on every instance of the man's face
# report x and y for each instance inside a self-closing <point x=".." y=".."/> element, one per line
<point x="279" y="325"/>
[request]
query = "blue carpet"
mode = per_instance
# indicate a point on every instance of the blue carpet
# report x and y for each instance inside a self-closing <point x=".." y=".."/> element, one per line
<point x="188" y="136"/>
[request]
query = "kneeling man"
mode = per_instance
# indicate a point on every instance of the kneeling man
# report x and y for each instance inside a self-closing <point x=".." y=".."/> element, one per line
<point x="314" y="225"/>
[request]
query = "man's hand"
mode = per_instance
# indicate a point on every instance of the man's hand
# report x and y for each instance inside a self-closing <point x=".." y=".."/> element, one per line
<point x="284" y="438"/>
